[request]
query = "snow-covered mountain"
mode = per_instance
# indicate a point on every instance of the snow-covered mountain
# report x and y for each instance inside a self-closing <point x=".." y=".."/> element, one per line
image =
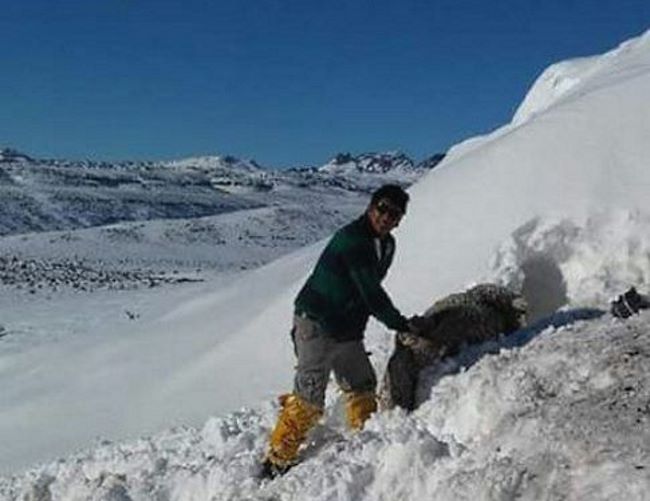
<point x="554" y="203"/>
<point x="42" y="195"/>
<point x="46" y="195"/>
<point x="372" y="162"/>
<point x="12" y="155"/>
<point x="89" y="225"/>
<point x="396" y="163"/>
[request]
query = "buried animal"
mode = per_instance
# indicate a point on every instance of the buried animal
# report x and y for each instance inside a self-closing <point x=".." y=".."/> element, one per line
<point x="479" y="314"/>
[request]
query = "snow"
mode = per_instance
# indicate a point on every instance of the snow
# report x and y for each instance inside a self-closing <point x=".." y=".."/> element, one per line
<point x="586" y="155"/>
<point x="506" y="427"/>
<point x="585" y="262"/>
<point x="554" y="203"/>
<point x="579" y="76"/>
<point x="215" y="162"/>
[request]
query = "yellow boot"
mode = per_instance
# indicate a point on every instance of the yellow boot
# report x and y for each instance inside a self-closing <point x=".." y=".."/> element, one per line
<point x="359" y="407"/>
<point x="296" y="418"/>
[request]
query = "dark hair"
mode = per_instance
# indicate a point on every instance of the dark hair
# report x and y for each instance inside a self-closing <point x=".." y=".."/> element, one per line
<point x="391" y="192"/>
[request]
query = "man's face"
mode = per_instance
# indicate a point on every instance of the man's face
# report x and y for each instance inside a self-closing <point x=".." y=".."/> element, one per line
<point x="384" y="216"/>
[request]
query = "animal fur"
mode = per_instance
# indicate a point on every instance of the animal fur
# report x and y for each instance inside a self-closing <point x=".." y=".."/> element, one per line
<point x="479" y="314"/>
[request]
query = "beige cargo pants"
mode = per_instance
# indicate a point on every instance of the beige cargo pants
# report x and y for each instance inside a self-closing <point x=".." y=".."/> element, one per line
<point x="319" y="354"/>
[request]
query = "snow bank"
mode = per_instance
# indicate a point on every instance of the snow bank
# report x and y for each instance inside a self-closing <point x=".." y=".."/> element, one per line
<point x="582" y="156"/>
<point x="505" y="428"/>
<point x="563" y="80"/>
<point x="565" y="417"/>
<point x="562" y="262"/>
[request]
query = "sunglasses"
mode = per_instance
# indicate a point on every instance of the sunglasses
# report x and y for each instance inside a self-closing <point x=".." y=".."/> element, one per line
<point x="384" y="207"/>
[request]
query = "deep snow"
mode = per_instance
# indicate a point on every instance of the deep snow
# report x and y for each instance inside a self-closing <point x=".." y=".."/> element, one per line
<point x="566" y="416"/>
<point x="555" y="202"/>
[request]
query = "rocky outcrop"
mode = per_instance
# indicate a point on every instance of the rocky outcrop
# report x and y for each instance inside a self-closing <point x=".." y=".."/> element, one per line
<point x="49" y="275"/>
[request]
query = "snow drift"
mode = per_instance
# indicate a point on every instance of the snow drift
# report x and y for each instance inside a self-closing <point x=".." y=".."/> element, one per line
<point x="572" y="156"/>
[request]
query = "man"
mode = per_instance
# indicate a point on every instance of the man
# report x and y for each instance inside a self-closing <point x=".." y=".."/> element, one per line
<point x="331" y="312"/>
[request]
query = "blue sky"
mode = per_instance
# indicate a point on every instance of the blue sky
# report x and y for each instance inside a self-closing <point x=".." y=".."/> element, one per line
<point x="287" y="82"/>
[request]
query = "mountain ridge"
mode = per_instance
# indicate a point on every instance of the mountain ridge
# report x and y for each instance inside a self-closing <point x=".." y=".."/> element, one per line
<point x="46" y="194"/>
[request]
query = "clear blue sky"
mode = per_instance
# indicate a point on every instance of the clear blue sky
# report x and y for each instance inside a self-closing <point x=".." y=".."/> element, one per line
<point x="287" y="82"/>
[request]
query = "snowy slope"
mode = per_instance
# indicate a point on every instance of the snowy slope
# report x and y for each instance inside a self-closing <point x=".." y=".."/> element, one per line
<point x="235" y="240"/>
<point x="563" y="189"/>
<point x="507" y="428"/>
<point x="582" y="155"/>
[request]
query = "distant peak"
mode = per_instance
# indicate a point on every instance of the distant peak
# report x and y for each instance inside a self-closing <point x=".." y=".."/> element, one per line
<point x="12" y="155"/>
<point x="342" y="158"/>
<point x="371" y="162"/>
<point x="216" y="162"/>
<point x="431" y="161"/>
<point x="229" y="159"/>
